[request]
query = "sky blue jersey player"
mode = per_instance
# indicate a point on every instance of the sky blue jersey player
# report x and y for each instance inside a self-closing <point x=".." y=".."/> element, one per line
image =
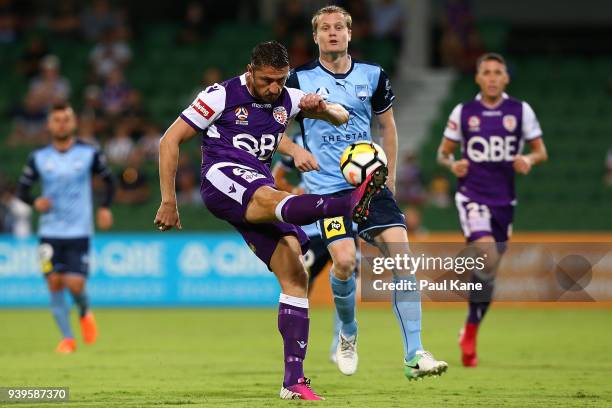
<point x="64" y="169"/>
<point x="364" y="90"/>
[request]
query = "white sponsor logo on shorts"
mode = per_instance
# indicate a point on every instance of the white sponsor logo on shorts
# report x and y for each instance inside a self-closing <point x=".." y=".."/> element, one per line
<point x="248" y="175"/>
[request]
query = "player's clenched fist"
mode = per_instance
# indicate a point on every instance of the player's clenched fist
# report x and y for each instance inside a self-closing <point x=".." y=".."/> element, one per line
<point x="167" y="217"/>
<point x="42" y="204"/>
<point x="104" y="218"/>
<point x="522" y="164"/>
<point x="460" y="167"/>
<point x="312" y="103"/>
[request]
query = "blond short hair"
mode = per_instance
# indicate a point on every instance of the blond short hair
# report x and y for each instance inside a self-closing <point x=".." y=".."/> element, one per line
<point x="331" y="10"/>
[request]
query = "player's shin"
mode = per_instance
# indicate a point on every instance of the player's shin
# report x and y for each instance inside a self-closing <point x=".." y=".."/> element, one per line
<point x="344" y="298"/>
<point x="82" y="301"/>
<point x="61" y="313"/>
<point x="308" y="208"/>
<point x="407" y="310"/>
<point x="293" y="325"/>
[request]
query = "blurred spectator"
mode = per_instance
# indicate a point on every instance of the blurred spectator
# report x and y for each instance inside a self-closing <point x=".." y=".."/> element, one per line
<point x="439" y="191"/>
<point x="187" y="185"/>
<point x="362" y="20"/>
<point x="92" y="109"/>
<point x="86" y="131"/>
<point x="410" y="188"/>
<point x="291" y="20"/>
<point x="388" y="21"/>
<point x="29" y="122"/>
<point x="460" y="45"/>
<point x="210" y="76"/>
<point x="133" y="186"/>
<point x="65" y="19"/>
<point x="98" y="18"/>
<point x="110" y="53"/>
<point x="414" y="223"/>
<point x="29" y="62"/>
<point x="608" y="178"/>
<point x="15" y="215"/>
<point x="299" y="51"/>
<point x="9" y="21"/>
<point x="148" y="144"/>
<point x="196" y="26"/>
<point x="134" y="115"/>
<point x="120" y="145"/>
<point x="50" y="86"/>
<point x="115" y="94"/>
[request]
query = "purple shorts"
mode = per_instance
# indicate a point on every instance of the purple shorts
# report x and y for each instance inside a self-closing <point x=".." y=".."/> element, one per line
<point x="481" y="220"/>
<point x="227" y="189"/>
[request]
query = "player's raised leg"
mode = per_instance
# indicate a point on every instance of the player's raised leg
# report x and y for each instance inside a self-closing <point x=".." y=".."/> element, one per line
<point x="342" y="279"/>
<point x="407" y="309"/>
<point x="268" y="204"/>
<point x="61" y="313"/>
<point x="293" y="321"/>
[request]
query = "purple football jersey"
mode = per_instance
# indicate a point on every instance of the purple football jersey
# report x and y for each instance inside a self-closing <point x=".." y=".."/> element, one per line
<point x="490" y="139"/>
<point x="237" y="127"/>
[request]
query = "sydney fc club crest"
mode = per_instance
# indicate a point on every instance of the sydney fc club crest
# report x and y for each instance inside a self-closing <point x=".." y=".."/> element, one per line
<point x="509" y="123"/>
<point x="362" y="92"/>
<point x="280" y="115"/>
<point x="323" y="92"/>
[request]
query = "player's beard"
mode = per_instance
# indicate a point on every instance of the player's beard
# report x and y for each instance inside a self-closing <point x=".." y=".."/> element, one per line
<point x="62" y="137"/>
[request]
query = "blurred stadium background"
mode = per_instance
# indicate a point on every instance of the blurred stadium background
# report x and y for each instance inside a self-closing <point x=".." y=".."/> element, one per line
<point x="130" y="67"/>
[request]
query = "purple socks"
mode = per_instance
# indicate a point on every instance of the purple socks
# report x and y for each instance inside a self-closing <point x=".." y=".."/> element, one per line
<point x="293" y="323"/>
<point x="308" y="208"/>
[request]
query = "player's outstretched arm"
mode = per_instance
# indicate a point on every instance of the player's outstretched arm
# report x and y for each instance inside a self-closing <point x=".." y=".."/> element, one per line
<point x="537" y="154"/>
<point x="179" y="132"/>
<point x="314" y="107"/>
<point x="446" y="159"/>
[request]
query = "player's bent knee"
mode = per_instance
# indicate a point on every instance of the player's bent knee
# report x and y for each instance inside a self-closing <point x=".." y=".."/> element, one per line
<point x="54" y="282"/>
<point x="262" y="205"/>
<point x="344" y="268"/>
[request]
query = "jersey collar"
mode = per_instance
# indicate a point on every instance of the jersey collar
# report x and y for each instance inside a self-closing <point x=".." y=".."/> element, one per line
<point x="337" y="76"/>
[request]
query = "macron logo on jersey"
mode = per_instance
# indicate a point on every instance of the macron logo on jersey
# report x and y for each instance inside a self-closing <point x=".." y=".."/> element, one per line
<point x="203" y="109"/>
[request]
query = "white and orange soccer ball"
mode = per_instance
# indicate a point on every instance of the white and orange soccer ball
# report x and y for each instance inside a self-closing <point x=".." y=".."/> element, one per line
<point x="360" y="159"/>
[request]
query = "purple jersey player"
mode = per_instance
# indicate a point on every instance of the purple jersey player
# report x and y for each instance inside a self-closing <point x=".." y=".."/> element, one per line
<point x="491" y="130"/>
<point x="243" y="120"/>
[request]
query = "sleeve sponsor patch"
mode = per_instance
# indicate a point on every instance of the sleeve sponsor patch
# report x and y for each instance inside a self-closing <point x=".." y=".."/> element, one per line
<point x="203" y="109"/>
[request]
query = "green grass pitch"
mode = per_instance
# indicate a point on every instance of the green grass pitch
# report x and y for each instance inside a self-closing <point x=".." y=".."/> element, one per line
<point x="232" y="358"/>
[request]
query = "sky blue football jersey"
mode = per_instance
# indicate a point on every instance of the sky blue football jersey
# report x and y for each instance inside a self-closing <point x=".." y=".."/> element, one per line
<point x="66" y="180"/>
<point x="364" y="90"/>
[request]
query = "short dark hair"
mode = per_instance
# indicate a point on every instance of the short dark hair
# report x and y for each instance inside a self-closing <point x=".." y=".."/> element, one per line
<point x="490" y="56"/>
<point x="270" y="53"/>
<point x="60" y="106"/>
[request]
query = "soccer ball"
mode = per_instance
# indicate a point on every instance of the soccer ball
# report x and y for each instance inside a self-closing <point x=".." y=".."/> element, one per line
<point x="360" y="159"/>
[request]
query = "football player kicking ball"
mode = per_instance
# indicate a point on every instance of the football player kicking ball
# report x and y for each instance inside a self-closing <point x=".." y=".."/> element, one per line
<point x="364" y="89"/>
<point x="491" y="130"/>
<point x="244" y="119"/>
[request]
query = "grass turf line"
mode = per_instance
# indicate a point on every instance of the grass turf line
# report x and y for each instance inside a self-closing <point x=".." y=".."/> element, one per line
<point x="233" y="358"/>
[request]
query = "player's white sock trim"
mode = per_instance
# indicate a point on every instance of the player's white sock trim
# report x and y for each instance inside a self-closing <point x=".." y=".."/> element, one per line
<point x="278" y="211"/>
<point x="293" y="301"/>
